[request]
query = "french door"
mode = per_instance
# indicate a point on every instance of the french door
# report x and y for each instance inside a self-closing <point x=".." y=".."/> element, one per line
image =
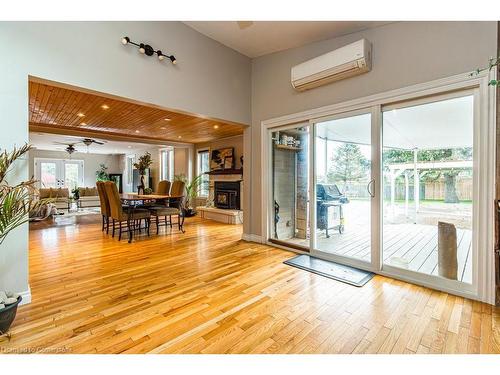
<point x="391" y="188"/>
<point x="59" y="173"/>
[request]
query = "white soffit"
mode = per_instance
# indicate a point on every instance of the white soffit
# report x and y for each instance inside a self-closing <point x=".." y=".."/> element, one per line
<point x="443" y="124"/>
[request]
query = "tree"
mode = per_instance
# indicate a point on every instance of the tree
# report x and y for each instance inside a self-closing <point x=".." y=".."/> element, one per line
<point x="349" y="165"/>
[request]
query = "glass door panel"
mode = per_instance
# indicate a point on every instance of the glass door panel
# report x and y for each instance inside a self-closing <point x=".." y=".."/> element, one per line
<point x="344" y="187"/>
<point x="71" y="175"/>
<point x="290" y="187"/>
<point x="428" y="185"/>
<point x="48" y="175"/>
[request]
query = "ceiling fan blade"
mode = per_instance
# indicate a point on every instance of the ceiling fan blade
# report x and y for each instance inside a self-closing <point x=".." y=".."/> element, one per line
<point x="98" y="142"/>
<point x="244" y="24"/>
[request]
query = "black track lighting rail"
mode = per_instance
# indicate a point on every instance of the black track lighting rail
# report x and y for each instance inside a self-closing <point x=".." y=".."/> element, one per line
<point x="148" y="50"/>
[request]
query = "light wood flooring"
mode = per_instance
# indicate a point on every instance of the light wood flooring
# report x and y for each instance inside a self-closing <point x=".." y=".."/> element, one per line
<point x="206" y="291"/>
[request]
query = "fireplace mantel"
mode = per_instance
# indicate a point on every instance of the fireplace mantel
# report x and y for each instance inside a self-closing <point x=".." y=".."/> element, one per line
<point x="225" y="172"/>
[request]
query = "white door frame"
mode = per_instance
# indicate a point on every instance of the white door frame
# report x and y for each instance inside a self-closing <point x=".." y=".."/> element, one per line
<point x="484" y="286"/>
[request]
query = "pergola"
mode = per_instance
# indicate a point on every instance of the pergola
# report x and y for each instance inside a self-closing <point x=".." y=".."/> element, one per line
<point x="395" y="170"/>
<point x="445" y="124"/>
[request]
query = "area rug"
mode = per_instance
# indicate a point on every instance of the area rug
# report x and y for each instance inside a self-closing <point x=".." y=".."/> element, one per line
<point x="332" y="270"/>
<point x="80" y="211"/>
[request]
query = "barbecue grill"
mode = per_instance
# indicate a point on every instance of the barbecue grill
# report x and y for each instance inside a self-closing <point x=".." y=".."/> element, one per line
<point x="329" y="197"/>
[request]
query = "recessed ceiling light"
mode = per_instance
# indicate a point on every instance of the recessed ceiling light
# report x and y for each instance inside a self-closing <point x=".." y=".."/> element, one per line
<point x="83" y="123"/>
<point x="80" y="115"/>
<point x="180" y="136"/>
<point x="216" y="126"/>
<point x="168" y="119"/>
<point x="104" y="106"/>
<point x="129" y="146"/>
<point x="137" y="131"/>
<point x="163" y="128"/>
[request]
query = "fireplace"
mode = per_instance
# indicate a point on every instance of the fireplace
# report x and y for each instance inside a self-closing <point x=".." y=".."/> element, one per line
<point x="227" y="194"/>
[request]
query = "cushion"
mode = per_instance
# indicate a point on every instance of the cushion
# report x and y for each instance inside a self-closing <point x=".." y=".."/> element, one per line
<point x="163" y="211"/>
<point x="59" y="193"/>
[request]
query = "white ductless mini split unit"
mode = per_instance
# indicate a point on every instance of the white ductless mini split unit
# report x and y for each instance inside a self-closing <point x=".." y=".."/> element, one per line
<point x="347" y="61"/>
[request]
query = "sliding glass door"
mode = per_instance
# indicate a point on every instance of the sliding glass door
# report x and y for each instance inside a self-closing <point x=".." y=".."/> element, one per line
<point x="344" y="186"/>
<point x="428" y="160"/>
<point x="392" y="187"/>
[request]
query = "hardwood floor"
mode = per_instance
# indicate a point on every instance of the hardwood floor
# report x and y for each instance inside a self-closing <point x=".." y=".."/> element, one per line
<point x="206" y="291"/>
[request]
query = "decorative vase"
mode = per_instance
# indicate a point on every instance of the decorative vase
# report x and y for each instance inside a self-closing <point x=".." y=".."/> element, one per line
<point x="140" y="188"/>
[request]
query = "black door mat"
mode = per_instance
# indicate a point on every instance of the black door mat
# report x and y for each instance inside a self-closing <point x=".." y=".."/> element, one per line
<point x="332" y="270"/>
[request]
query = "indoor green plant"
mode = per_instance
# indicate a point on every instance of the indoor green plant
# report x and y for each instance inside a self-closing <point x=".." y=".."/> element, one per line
<point x="192" y="191"/>
<point x="102" y="174"/>
<point x="16" y="202"/>
<point x="142" y="165"/>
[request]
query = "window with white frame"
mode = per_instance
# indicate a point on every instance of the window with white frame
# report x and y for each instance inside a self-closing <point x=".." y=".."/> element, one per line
<point x="130" y="168"/>
<point x="203" y="166"/>
<point x="167" y="164"/>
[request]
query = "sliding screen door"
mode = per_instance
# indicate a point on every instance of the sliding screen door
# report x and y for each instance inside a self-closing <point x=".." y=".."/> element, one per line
<point x="289" y="210"/>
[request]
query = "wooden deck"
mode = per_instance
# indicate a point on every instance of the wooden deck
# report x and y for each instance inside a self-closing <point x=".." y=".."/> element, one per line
<point x="411" y="246"/>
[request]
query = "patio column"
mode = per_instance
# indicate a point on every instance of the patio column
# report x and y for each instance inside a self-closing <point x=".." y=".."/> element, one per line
<point x="416" y="187"/>
<point x="407" y="192"/>
<point x="393" y="190"/>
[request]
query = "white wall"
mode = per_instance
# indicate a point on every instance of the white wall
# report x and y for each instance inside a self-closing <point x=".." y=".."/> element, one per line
<point x="404" y="53"/>
<point x="91" y="162"/>
<point x="210" y="79"/>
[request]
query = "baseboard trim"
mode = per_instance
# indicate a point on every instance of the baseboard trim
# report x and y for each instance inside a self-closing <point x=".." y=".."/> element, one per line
<point x="251" y="238"/>
<point x="26" y="296"/>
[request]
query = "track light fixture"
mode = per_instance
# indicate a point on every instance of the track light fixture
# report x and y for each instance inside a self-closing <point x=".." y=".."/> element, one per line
<point x="147" y="50"/>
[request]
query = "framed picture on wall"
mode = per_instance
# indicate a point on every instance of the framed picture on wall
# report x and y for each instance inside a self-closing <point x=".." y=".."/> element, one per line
<point x="228" y="162"/>
<point x="218" y="158"/>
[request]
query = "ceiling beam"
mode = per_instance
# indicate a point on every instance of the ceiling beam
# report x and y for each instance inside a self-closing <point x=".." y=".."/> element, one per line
<point x="110" y="136"/>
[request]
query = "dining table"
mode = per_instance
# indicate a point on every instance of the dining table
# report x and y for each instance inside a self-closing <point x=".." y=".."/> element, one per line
<point x="133" y="200"/>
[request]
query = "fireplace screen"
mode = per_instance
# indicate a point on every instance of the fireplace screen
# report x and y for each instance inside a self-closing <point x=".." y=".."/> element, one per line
<point x="227" y="195"/>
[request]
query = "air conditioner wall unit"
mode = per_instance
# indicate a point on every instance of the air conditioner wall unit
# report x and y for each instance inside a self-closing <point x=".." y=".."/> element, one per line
<point x="345" y="62"/>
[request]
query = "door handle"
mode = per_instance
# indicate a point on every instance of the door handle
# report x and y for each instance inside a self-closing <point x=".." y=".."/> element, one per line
<point x="370" y="184"/>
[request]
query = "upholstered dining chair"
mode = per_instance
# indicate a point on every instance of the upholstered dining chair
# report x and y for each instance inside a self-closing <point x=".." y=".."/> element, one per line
<point x="104" y="202"/>
<point x="163" y="214"/>
<point x="163" y="187"/>
<point x="118" y="214"/>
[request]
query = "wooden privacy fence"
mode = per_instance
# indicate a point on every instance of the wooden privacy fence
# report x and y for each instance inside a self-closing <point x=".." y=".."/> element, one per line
<point x="435" y="189"/>
<point x="432" y="190"/>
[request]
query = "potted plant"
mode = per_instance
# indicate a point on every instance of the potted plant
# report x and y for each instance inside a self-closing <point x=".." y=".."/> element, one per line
<point x="192" y="190"/>
<point x="102" y="174"/>
<point x="142" y="165"/>
<point x="76" y="193"/>
<point x="16" y="202"/>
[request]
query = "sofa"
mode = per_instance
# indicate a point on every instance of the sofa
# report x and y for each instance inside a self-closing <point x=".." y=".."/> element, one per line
<point x="59" y="196"/>
<point x="89" y="197"/>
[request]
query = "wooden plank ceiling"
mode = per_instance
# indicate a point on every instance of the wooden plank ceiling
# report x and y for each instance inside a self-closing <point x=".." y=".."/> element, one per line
<point x="66" y="111"/>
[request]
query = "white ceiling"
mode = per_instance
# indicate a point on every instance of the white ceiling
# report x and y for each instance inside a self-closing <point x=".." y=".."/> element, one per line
<point x="52" y="142"/>
<point x="258" y="38"/>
